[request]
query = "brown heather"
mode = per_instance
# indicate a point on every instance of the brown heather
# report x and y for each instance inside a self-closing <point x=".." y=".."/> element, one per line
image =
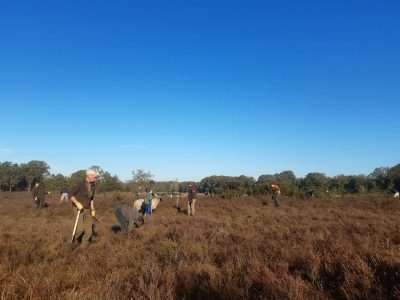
<point x="232" y="249"/>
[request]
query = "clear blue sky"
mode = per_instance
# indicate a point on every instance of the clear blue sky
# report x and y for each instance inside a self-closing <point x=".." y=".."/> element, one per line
<point x="188" y="89"/>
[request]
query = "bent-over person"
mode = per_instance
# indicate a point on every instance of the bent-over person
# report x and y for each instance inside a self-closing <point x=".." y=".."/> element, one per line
<point x="128" y="218"/>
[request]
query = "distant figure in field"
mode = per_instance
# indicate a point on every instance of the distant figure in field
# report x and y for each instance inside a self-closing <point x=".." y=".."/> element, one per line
<point x="309" y="194"/>
<point x="128" y="219"/>
<point x="178" y="200"/>
<point x="64" y="197"/>
<point x="396" y="195"/>
<point x="82" y="197"/>
<point x="192" y="193"/>
<point x="276" y="192"/>
<point x="148" y="202"/>
<point x="39" y="195"/>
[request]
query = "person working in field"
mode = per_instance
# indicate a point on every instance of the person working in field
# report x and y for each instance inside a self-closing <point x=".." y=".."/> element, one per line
<point x="128" y="218"/>
<point x="148" y="202"/>
<point x="64" y="195"/>
<point x="39" y="195"/>
<point x="82" y="197"/>
<point x="276" y="191"/>
<point x="192" y="193"/>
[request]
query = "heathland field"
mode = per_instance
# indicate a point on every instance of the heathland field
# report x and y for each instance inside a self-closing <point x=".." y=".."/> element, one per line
<point x="232" y="249"/>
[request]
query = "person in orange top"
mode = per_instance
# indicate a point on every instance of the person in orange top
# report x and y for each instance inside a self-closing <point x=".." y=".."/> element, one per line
<point x="276" y="191"/>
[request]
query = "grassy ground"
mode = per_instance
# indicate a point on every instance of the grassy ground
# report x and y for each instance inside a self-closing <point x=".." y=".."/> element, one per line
<point x="232" y="249"/>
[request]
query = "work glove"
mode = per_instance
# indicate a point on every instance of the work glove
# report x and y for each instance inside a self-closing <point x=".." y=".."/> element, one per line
<point x="79" y="205"/>
<point x="93" y="213"/>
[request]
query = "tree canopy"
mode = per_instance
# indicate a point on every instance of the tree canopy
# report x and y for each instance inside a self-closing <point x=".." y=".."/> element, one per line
<point x="21" y="177"/>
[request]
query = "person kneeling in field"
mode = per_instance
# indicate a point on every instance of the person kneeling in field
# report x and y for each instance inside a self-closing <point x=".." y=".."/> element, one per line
<point x="82" y="197"/>
<point x="128" y="219"/>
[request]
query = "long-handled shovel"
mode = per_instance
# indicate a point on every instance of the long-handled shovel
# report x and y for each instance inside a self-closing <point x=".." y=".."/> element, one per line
<point x="75" y="226"/>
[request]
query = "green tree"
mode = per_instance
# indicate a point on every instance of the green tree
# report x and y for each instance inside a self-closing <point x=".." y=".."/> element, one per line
<point x="264" y="182"/>
<point x="35" y="170"/>
<point x="228" y="185"/>
<point x="288" y="182"/>
<point x="356" y="184"/>
<point x="394" y="176"/>
<point x="11" y="176"/>
<point x="337" y="184"/>
<point x="380" y="179"/>
<point x="141" y="179"/>
<point x="318" y="182"/>
<point x="110" y="183"/>
<point x="56" y="182"/>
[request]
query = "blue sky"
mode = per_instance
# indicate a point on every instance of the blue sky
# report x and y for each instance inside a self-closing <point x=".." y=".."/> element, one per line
<point x="188" y="89"/>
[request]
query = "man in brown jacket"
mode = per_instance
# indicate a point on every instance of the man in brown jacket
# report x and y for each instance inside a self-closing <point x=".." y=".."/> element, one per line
<point x="82" y="197"/>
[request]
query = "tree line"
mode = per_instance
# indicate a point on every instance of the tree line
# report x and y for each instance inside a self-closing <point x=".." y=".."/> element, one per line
<point x="21" y="177"/>
<point x="381" y="180"/>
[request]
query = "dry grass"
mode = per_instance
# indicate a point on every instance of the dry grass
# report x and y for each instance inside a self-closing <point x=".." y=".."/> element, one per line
<point x="232" y="249"/>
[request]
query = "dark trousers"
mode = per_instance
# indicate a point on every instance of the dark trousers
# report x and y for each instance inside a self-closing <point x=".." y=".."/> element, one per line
<point x="84" y="230"/>
<point x="147" y="209"/>
<point x="275" y="198"/>
<point x="39" y="203"/>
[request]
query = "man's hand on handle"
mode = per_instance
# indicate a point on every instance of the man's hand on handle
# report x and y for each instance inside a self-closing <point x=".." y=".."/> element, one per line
<point x="77" y="204"/>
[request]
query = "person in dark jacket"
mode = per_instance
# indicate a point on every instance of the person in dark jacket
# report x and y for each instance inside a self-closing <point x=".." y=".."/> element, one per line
<point x="82" y="197"/>
<point x="192" y="194"/>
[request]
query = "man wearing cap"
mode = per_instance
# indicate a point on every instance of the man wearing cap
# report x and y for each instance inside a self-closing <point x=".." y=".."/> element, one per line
<point x="82" y="197"/>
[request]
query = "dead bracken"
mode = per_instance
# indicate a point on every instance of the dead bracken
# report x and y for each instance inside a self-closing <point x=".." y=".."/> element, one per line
<point x="321" y="249"/>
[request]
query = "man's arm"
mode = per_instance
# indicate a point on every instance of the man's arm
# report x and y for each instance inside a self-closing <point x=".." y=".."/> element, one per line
<point x="92" y="209"/>
<point x="77" y="204"/>
<point x="74" y="200"/>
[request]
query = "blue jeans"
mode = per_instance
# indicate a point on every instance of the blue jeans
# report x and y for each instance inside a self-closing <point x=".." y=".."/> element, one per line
<point x="147" y="209"/>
